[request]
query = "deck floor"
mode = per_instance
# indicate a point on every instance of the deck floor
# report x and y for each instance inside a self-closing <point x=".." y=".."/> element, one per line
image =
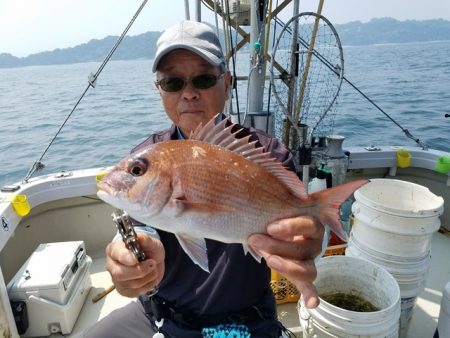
<point x="423" y="323"/>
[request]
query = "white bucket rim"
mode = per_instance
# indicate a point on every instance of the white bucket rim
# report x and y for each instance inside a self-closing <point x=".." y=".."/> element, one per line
<point x="409" y="261"/>
<point x="359" y="326"/>
<point x="338" y="259"/>
<point x="385" y="295"/>
<point x="366" y="196"/>
<point x="403" y="271"/>
<point x="379" y="219"/>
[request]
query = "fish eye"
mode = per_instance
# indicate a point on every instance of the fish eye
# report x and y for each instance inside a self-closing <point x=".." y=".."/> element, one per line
<point x="138" y="167"/>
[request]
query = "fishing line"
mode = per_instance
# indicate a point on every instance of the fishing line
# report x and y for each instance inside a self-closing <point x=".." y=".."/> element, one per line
<point x="225" y="13"/>
<point x="91" y="83"/>
<point x="405" y="131"/>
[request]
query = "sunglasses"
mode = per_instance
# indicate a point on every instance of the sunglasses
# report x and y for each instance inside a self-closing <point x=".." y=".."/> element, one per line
<point x="175" y="84"/>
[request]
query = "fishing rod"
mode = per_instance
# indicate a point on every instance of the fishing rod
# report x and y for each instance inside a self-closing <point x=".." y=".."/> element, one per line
<point x="92" y="78"/>
<point x="333" y="69"/>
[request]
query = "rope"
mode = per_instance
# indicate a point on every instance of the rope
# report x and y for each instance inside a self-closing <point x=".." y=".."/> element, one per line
<point x="229" y="48"/>
<point x="308" y="64"/>
<point x="91" y="83"/>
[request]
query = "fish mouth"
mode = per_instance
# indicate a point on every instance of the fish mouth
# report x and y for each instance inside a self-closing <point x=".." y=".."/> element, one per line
<point x="110" y="194"/>
<point x="104" y="187"/>
<point x="134" y="210"/>
<point x="106" y="197"/>
<point x="106" y="193"/>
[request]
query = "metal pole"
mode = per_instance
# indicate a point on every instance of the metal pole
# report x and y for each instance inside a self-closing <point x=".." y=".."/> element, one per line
<point x="266" y="40"/>
<point x="287" y="137"/>
<point x="256" y="85"/>
<point x="186" y="10"/>
<point x="198" y="11"/>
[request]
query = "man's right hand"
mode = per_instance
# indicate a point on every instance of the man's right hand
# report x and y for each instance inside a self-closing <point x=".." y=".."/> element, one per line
<point x="130" y="277"/>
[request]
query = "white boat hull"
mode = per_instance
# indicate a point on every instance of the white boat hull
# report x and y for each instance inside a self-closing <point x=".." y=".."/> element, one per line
<point x="64" y="207"/>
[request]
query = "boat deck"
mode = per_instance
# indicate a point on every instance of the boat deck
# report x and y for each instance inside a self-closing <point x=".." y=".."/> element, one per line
<point x="423" y="323"/>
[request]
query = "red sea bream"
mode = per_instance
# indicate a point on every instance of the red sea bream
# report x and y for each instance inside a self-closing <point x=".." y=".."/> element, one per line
<point x="215" y="186"/>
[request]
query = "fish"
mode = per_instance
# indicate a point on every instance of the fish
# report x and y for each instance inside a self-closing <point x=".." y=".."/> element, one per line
<point x="218" y="186"/>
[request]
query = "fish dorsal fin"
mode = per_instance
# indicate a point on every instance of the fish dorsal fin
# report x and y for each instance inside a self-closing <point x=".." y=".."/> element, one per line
<point x="222" y="136"/>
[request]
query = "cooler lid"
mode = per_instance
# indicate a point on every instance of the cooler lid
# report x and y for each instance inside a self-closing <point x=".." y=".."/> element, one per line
<point x="48" y="266"/>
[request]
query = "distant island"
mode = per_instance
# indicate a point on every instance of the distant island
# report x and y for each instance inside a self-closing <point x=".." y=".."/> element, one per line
<point x="376" y="31"/>
<point x="388" y="30"/>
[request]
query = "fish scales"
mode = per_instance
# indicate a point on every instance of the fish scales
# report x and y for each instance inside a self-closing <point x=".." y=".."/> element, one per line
<point x="247" y="206"/>
<point x="245" y="196"/>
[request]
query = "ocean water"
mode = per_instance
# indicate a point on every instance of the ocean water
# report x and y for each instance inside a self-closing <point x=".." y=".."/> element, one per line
<point x="411" y="82"/>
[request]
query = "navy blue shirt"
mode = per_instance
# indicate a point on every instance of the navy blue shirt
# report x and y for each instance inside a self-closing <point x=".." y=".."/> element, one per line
<point x="236" y="281"/>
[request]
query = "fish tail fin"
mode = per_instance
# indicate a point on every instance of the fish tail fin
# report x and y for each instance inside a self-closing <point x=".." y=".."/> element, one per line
<point x="328" y="204"/>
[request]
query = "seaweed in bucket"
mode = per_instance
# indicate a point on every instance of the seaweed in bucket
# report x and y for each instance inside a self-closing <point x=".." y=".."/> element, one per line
<point x="349" y="302"/>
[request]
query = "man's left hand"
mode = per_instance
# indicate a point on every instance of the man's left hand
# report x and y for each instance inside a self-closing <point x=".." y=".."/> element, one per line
<point x="290" y="248"/>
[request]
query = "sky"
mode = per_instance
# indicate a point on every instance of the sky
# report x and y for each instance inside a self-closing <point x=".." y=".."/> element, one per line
<point x="32" y="26"/>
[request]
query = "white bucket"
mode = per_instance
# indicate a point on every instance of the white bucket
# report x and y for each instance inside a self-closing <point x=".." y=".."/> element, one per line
<point x="394" y="222"/>
<point x="396" y="218"/>
<point x="410" y="275"/>
<point x="350" y="275"/>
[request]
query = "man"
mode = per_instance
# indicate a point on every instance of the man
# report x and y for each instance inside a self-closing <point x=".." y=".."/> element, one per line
<point x="194" y="85"/>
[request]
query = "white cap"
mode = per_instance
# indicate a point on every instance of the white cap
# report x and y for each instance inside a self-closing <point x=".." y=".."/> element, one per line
<point x="194" y="36"/>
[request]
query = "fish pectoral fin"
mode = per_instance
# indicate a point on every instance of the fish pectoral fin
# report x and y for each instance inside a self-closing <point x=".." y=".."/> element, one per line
<point x="176" y="206"/>
<point x="195" y="248"/>
<point x="254" y="254"/>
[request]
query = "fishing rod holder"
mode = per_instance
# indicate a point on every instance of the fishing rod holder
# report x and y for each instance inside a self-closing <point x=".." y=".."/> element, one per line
<point x="38" y="165"/>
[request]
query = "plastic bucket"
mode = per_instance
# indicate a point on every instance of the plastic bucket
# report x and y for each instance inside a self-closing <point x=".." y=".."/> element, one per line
<point x="411" y="276"/>
<point x="350" y="275"/>
<point x="395" y="217"/>
<point x="394" y="222"/>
